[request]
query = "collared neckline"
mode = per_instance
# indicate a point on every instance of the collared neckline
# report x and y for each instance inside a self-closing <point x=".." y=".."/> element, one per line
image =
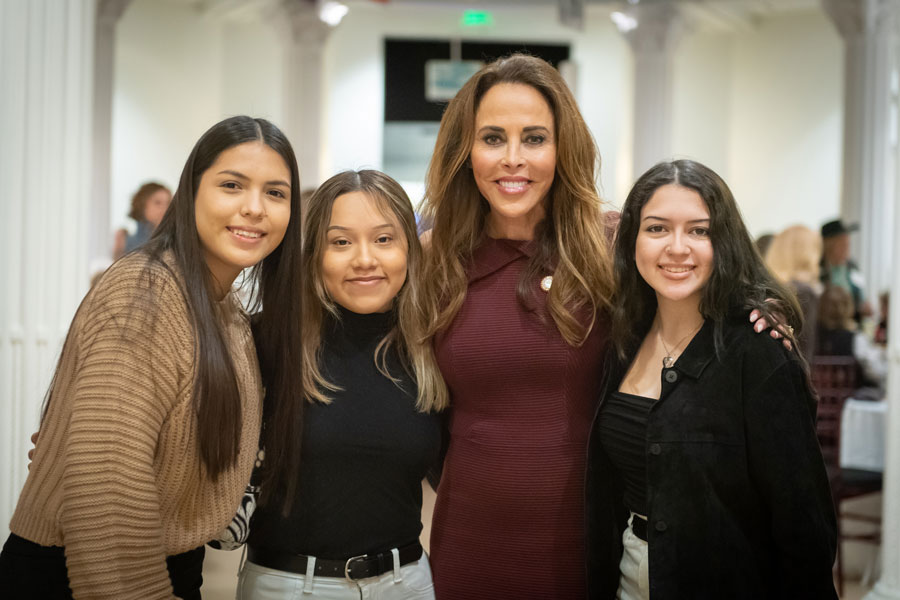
<point x="492" y="254"/>
<point x="698" y="353"/>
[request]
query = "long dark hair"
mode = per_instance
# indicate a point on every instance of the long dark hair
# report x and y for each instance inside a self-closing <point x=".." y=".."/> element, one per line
<point x="739" y="281"/>
<point x="216" y="398"/>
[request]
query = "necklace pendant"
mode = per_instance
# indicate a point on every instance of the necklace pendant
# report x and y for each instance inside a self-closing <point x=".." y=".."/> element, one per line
<point x="546" y="282"/>
<point x="668" y="361"/>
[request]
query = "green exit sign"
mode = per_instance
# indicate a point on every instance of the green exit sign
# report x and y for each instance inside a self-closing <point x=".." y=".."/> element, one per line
<point x="477" y="18"/>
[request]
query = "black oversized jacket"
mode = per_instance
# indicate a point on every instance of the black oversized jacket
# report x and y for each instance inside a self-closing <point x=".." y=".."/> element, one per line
<point x="737" y="494"/>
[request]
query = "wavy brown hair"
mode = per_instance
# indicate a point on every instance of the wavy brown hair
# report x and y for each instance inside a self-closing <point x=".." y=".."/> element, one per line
<point x="406" y="336"/>
<point x="571" y="240"/>
<point x="139" y="200"/>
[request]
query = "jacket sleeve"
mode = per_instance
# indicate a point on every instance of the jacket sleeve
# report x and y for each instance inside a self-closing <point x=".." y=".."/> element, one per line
<point x="786" y="465"/>
<point x="125" y="385"/>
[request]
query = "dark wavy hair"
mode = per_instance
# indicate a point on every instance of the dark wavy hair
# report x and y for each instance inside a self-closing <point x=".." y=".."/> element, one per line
<point x="739" y="281"/>
<point x="276" y="280"/>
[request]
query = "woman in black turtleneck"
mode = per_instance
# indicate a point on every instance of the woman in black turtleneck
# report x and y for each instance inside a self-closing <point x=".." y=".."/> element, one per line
<point x="342" y="497"/>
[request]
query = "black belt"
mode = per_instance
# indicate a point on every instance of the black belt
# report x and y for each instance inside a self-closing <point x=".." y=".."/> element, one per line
<point x="639" y="527"/>
<point x="355" y="567"/>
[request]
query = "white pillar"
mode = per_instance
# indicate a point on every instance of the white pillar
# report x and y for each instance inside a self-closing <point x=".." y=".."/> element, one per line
<point x="653" y="31"/>
<point x="46" y="73"/>
<point x="108" y="14"/>
<point x="888" y="586"/>
<point x="304" y="88"/>
<point x="868" y="194"/>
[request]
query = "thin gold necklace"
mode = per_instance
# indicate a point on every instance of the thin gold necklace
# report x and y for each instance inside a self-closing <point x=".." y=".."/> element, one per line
<point x="669" y="359"/>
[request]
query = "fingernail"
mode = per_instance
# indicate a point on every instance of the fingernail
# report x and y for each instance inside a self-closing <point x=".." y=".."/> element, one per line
<point x="758" y="327"/>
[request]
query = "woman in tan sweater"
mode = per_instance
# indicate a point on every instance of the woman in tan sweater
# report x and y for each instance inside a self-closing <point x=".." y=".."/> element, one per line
<point x="151" y="424"/>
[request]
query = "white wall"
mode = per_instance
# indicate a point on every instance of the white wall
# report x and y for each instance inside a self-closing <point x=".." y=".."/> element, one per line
<point x="702" y="111"/>
<point x="177" y="72"/>
<point x="786" y="124"/>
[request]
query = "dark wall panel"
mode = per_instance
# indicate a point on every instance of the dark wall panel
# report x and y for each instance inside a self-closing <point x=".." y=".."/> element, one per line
<point x="404" y="71"/>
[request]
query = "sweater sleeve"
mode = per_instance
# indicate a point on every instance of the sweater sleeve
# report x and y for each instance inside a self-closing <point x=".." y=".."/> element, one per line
<point x="787" y="467"/>
<point x="126" y="383"/>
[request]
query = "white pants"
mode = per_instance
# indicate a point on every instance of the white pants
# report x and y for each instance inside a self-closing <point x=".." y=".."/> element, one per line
<point x="634" y="569"/>
<point x="409" y="582"/>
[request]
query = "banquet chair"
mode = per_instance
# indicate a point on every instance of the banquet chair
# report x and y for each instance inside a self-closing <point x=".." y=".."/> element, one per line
<point x="834" y="379"/>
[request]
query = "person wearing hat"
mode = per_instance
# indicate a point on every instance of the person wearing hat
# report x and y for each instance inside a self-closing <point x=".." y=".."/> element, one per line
<point x="837" y="267"/>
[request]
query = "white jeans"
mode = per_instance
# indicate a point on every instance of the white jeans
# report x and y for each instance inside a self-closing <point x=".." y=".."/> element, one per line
<point x="634" y="569"/>
<point x="409" y="582"/>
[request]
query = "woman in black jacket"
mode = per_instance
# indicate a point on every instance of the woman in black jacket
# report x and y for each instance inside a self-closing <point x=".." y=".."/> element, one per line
<point x="705" y="477"/>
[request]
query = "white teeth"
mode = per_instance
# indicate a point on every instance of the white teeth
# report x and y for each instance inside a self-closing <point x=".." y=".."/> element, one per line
<point x="246" y="234"/>
<point x="513" y="184"/>
<point x="677" y="269"/>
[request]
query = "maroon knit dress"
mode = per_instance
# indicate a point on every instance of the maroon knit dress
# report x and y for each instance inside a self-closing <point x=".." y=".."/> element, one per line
<point x="509" y="518"/>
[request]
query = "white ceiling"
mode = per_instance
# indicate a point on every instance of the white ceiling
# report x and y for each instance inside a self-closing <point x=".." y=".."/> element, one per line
<point x="705" y="14"/>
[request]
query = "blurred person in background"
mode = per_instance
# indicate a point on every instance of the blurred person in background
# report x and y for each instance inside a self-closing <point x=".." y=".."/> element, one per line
<point x="763" y="242"/>
<point x="793" y="257"/>
<point x="148" y="205"/>
<point x="884" y="307"/>
<point x="838" y="335"/>
<point x="837" y="268"/>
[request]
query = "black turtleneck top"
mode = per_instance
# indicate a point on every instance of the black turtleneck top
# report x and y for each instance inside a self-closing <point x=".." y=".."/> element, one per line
<point x="363" y="458"/>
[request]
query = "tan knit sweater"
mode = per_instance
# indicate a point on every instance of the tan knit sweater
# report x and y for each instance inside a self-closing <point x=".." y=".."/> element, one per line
<point x="117" y="477"/>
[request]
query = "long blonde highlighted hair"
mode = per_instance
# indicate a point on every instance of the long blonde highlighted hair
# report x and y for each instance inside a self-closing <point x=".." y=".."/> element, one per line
<point x="407" y="334"/>
<point x="794" y="255"/>
<point x="571" y="238"/>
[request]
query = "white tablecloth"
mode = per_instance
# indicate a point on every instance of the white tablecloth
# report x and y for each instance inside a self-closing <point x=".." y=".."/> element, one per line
<point x="862" y="434"/>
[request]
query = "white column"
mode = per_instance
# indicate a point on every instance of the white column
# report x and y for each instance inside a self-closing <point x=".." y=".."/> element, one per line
<point x="869" y="30"/>
<point x="304" y="88"/>
<point x="653" y="31"/>
<point x="888" y="586"/>
<point x="108" y="14"/>
<point x="46" y="74"/>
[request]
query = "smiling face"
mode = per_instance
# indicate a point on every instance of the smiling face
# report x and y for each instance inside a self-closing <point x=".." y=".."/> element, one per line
<point x="242" y="208"/>
<point x="673" y="251"/>
<point x="514" y="158"/>
<point x="364" y="261"/>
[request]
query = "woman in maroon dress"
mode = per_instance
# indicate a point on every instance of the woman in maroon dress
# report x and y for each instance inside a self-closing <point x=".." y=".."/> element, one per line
<point x="519" y="281"/>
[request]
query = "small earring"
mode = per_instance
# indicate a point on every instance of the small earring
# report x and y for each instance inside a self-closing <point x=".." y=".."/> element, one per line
<point x="668" y="249"/>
